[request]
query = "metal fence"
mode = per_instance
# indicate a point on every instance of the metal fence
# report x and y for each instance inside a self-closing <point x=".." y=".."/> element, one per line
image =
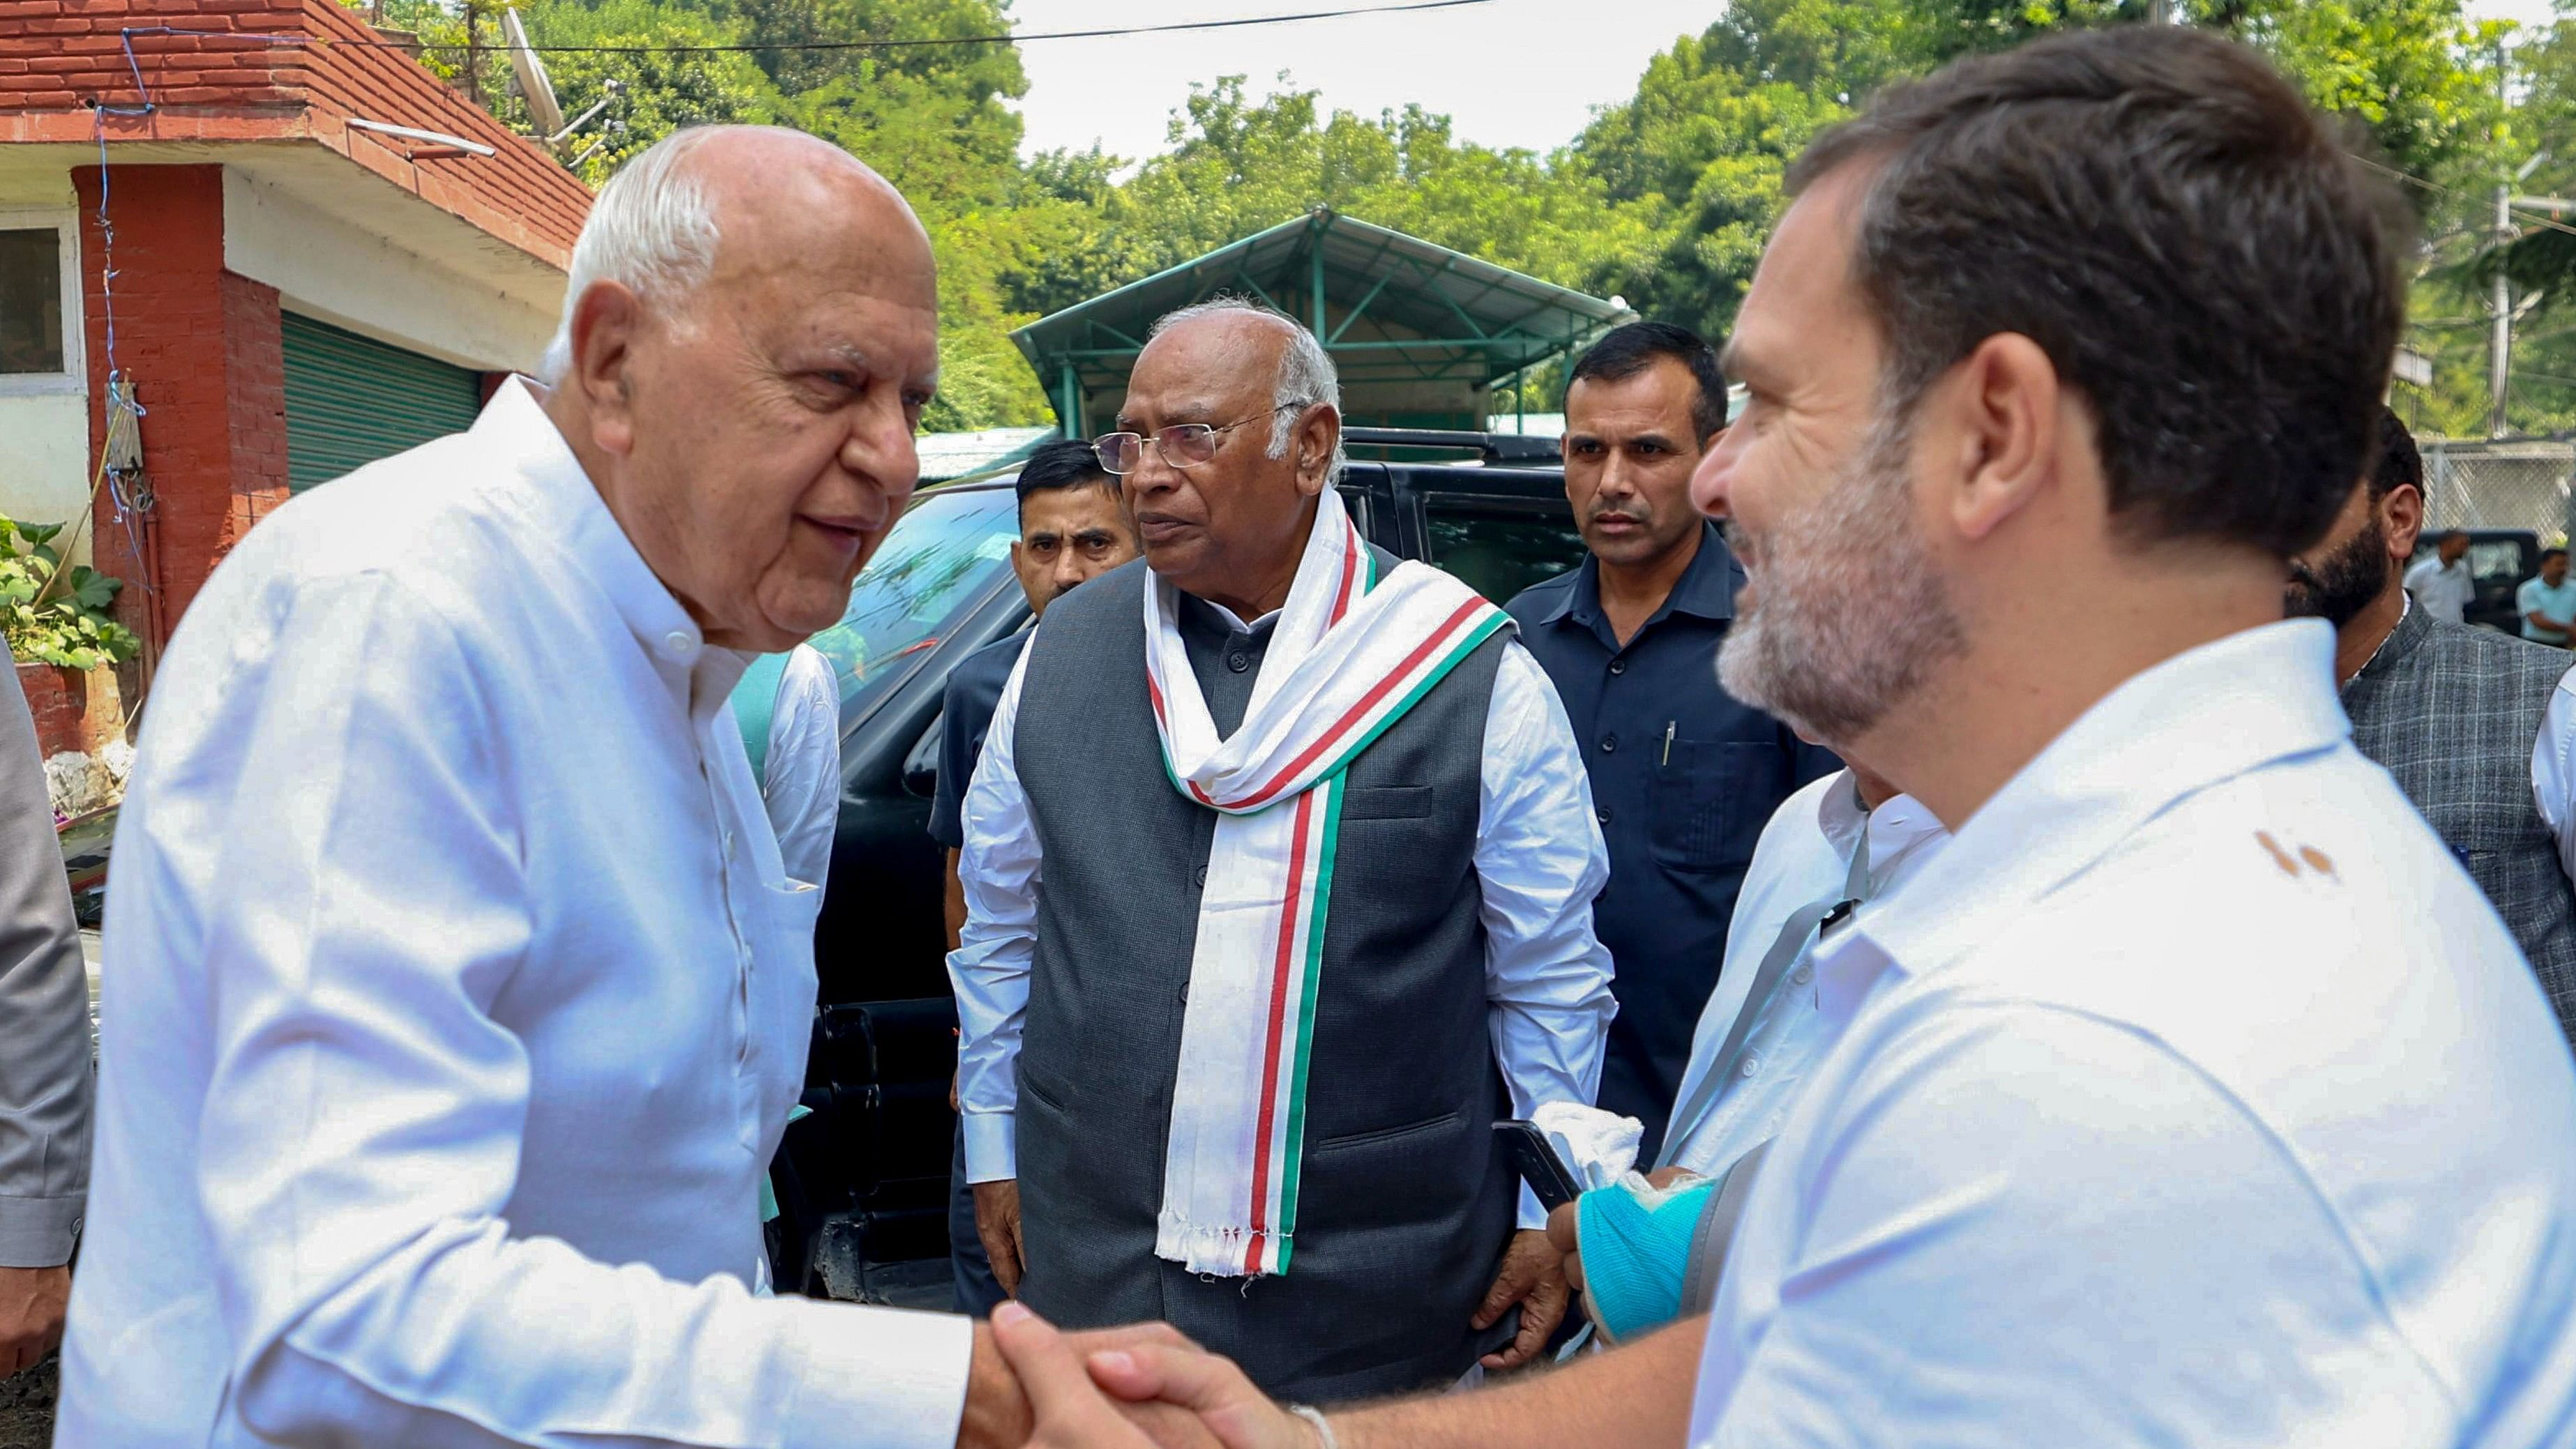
<point x="2507" y="483"/>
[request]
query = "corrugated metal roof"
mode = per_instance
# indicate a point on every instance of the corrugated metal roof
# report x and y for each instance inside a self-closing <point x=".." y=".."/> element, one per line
<point x="1390" y="307"/>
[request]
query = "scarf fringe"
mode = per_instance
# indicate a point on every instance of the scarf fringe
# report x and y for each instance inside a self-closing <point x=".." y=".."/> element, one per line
<point x="1215" y="1249"/>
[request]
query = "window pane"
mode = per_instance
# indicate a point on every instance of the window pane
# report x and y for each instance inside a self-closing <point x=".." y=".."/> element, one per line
<point x="31" y="301"/>
<point x="941" y="560"/>
<point x="1499" y="551"/>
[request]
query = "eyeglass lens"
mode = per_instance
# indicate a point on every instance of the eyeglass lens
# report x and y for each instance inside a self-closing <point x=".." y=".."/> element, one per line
<point x="1185" y="445"/>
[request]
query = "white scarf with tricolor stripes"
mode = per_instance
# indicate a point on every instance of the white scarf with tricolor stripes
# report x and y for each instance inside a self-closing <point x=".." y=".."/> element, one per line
<point x="1351" y="653"/>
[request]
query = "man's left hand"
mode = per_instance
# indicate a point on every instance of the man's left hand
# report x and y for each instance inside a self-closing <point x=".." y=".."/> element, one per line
<point x="31" y="1315"/>
<point x="1533" y="1276"/>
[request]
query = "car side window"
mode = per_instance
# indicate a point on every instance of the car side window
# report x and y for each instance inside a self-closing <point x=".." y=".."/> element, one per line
<point x="1499" y="547"/>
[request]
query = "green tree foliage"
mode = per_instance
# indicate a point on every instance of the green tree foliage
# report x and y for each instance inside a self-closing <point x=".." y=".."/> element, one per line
<point x="1665" y="198"/>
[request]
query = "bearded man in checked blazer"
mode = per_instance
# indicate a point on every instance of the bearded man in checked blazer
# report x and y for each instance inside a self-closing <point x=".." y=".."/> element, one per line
<point x="1279" y="870"/>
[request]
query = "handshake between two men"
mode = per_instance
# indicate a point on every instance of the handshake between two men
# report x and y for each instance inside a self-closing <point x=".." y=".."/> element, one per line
<point x="1150" y="1385"/>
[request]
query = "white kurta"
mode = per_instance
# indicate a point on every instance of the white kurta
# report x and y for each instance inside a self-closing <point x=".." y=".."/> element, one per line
<point x="2192" y="1095"/>
<point x="1804" y="856"/>
<point x="455" y="998"/>
<point x="801" y="781"/>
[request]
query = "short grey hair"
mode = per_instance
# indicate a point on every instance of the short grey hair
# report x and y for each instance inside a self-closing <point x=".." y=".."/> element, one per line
<point x="652" y="229"/>
<point x="1306" y="372"/>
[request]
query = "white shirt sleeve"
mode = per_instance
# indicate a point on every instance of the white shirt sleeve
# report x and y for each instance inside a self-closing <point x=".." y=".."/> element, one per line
<point x="362" y="1132"/>
<point x="803" y="788"/>
<point x="2012" y="1235"/>
<point x="990" y="967"/>
<point x="1540" y="857"/>
<point x="2553" y="771"/>
<point x="2417" y="576"/>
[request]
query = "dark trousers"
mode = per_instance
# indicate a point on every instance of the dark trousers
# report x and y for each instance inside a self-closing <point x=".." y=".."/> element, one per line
<point x="978" y="1293"/>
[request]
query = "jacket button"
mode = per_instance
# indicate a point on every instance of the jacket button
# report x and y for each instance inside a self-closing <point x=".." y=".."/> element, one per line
<point x="1604" y="814"/>
<point x="1618" y="666"/>
<point x="1238" y="661"/>
<point x="1184" y="993"/>
<point x="1199" y="876"/>
<point x="1609" y="743"/>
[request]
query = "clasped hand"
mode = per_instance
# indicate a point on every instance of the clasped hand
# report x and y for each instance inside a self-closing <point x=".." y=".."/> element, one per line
<point x="1151" y="1388"/>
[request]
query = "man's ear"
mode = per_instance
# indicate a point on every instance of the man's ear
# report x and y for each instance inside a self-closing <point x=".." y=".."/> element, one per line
<point x="2401" y="517"/>
<point x="2005" y="413"/>
<point x="1319" y="431"/>
<point x="604" y="325"/>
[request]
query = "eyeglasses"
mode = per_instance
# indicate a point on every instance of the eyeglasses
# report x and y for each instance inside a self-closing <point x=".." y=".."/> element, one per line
<point x="1185" y="445"/>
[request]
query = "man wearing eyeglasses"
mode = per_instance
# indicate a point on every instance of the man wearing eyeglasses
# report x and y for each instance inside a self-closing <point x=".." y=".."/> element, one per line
<point x="1318" y="860"/>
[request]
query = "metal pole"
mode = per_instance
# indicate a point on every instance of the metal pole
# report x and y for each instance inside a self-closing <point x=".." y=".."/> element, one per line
<point x="2500" y="342"/>
<point x="1317" y="282"/>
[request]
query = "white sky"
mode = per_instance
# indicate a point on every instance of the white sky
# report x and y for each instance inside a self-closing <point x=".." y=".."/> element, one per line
<point x="1512" y="72"/>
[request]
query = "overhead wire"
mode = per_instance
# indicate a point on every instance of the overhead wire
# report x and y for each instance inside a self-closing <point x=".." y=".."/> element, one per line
<point x="898" y="43"/>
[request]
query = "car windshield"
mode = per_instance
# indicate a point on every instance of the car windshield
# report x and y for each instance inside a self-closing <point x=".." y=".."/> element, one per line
<point x="942" y="558"/>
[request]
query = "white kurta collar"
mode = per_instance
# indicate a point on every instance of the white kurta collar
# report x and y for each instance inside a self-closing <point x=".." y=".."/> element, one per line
<point x="556" y="499"/>
<point x="2204" y="716"/>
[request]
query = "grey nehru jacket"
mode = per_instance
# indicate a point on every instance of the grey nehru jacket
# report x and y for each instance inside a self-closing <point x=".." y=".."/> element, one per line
<point x="1404" y="1206"/>
<point x="44" y="1016"/>
<point x="2452" y="712"/>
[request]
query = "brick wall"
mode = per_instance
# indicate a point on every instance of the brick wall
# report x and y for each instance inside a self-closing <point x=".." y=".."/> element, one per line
<point x="255" y="401"/>
<point x="58" y="55"/>
<point x="205" y="353"/>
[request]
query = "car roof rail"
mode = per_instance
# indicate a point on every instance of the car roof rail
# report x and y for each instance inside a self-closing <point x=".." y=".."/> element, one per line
<point x="1492" y="447"/>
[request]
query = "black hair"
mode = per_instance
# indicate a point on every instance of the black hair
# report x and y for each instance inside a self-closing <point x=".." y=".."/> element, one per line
<point x="1063" y="463"/>
<point x="1627" y="350"/>
<point x="2202" y="260"/>
<point x="2394" y="460"/>
<point x="2547" y="554"/>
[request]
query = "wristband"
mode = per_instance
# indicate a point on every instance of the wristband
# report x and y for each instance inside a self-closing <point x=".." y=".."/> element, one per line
<point x="1323" y="1426"/>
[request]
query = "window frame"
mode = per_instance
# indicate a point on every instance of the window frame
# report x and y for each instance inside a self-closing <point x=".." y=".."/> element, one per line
<point x="64" y="222"/>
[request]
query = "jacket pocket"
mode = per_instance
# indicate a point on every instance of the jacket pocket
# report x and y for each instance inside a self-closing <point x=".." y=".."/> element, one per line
<point x="1387" y="802"/>
<point x="1377" y="1135"/>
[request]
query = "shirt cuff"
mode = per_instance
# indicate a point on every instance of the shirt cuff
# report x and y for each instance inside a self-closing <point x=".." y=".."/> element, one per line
<point x="38" y="1232"/>
<point x="1533" y="1217"/>
<point x="902" y="1375"/>
<point x="991" y="1153"/>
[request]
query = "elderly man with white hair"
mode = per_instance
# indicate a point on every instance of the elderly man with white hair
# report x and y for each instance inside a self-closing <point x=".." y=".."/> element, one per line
<point x="456" y="994"/>
<point x="1279" y="859"/>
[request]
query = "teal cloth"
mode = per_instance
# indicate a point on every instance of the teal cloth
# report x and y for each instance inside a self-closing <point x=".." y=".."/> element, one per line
<point x="769" y="1194"/>
<point x="755" y="702"/>
<point x="1635" y="1258"/>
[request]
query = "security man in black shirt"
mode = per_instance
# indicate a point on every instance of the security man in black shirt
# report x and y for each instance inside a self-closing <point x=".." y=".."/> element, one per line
<point x="1683" y="775"/>
<point x="1073" y="524"/>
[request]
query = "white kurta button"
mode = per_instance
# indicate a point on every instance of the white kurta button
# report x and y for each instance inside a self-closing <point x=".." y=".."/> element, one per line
<point x="1802" y="975"/>
<point x="1751" y="1065"/>
<point x="679" y="644"/>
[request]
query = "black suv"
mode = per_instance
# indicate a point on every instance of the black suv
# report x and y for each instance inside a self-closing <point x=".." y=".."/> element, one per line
<point x="863" y="1182"/>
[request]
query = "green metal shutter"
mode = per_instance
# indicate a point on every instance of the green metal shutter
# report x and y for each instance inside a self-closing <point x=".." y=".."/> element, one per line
<point x="351" y="400"/>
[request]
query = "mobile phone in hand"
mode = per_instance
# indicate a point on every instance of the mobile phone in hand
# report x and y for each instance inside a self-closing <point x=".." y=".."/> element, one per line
<point x="1540" y="1167"/>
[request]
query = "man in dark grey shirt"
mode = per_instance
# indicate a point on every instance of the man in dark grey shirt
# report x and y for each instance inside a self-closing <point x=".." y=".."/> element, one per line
<point x="2474" y="724"/>
<point x="44" y="1055"/>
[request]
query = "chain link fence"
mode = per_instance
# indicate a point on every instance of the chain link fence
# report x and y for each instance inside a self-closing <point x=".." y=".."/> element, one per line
<point x="2506" y="483"/>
